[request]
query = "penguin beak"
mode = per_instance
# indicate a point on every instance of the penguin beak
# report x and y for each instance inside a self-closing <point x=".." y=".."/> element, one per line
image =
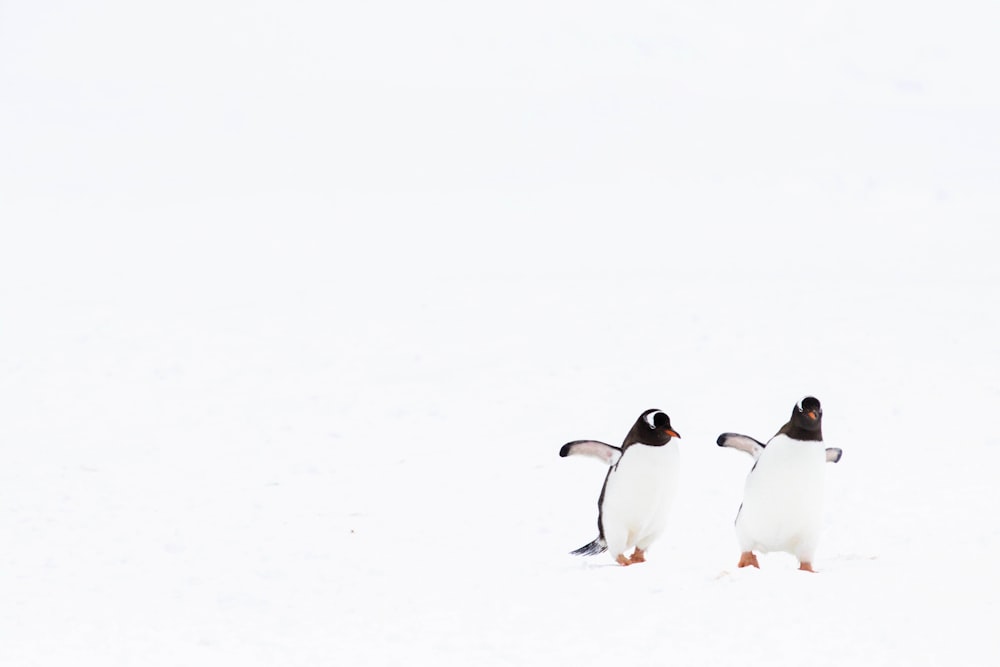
<point x="811" y="414"/>
<point x="672" y="433"/>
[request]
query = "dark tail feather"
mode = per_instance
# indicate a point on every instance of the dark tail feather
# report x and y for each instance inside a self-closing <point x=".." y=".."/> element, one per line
<point x="598" y="546"/>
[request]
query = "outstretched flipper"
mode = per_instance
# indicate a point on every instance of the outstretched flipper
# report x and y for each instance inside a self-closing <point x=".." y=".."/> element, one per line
<point x="609" y="454"/>
<point x="598" y="546"/>
<point x="833" y="454"/>
<point x="744" y="443"/>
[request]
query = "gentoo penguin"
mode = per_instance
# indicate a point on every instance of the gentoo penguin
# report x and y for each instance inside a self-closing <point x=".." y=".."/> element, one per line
<point x="638" y="489"/>
<point x="782" y="506"/>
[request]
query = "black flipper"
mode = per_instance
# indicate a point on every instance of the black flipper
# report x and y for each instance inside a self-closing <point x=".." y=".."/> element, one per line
<point x="601" y="451"/>
<point x="598" y="546"/>
<point x="744" y="443"/>
<point x="833" y="454"/>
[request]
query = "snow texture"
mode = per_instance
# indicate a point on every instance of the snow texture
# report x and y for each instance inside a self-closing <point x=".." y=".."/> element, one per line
<point x="299" y="301"/>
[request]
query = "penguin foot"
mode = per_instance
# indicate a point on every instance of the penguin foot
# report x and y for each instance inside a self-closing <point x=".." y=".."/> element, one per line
<point x="638" y="556"/>
<point x="748" y="558"/>
<point x="622" y="559"/>
<point x="806" y="567"/>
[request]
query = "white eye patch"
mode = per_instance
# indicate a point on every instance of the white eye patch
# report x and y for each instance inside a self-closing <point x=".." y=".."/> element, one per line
<point x="651" y="418"/>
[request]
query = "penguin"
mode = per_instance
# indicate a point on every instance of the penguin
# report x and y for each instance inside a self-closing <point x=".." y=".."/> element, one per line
<point x="782" y="506"/>
<point x="638" y="489"/>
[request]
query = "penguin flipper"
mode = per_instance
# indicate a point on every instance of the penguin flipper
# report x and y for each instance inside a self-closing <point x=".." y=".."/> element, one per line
<point x="598" y="546"/>
<point x="602" y="451"/>
<point x="744" y="443"/>
<point x="833" y="454"/>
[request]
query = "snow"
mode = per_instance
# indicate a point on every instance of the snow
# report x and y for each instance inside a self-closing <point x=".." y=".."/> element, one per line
<point x="299" y="302"/>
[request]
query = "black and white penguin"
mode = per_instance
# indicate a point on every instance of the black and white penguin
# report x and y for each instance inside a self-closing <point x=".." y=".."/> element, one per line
<point x="782" y="506"/>
<point x="638" y="489"/>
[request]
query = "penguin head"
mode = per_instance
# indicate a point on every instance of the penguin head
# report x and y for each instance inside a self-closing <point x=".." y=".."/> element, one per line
<point x="808" y="414"/>
<point x="651" y="428"/>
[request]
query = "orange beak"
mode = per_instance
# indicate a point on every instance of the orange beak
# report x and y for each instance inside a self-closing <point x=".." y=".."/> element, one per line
<point x="673" y="433"/>
<point x="812" y="415"/>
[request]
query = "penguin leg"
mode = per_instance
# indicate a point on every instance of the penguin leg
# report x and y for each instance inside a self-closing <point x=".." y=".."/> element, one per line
<point x="805" y="552"/>
<point x="617" y="538"/>
<point x="638" y="556"/>
<point x="622" y="543"/>
<point x="747" y="558"/>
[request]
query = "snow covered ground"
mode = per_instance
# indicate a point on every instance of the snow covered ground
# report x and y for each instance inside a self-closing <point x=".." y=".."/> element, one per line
<point x="298" y="302"/>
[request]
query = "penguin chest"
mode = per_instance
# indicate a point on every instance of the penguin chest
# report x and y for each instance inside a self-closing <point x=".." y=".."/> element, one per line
<point x="641" y="487"/>
<point x="783" y="499"/>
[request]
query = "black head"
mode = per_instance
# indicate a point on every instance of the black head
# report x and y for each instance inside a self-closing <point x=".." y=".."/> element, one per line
<point x="651" y="428"/>
<point x="807" y="420"/>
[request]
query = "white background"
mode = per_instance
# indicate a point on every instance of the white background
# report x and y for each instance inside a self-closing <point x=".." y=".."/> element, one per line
<point x="298" y="301"/>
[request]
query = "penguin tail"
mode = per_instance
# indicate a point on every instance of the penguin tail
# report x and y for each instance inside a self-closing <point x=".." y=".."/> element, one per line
<point x="598" y="546"/>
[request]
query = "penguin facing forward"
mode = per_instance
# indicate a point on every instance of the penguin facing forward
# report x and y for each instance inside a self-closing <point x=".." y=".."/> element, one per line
<point x="782" y="506"/>
<point x="638" y="489"/>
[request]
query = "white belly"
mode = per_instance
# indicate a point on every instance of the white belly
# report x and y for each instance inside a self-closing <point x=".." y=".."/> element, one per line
<point x="638" y="496"/>
<point x="783" y="499"/>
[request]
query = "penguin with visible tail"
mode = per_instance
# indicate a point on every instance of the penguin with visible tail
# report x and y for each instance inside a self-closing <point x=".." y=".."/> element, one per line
<point x="638" y="489"/>
<point x="782" y="506"/>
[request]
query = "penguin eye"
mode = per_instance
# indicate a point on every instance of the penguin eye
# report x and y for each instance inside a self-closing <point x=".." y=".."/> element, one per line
<point x="656" y="419"/>
<point x="808" y="403"/>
